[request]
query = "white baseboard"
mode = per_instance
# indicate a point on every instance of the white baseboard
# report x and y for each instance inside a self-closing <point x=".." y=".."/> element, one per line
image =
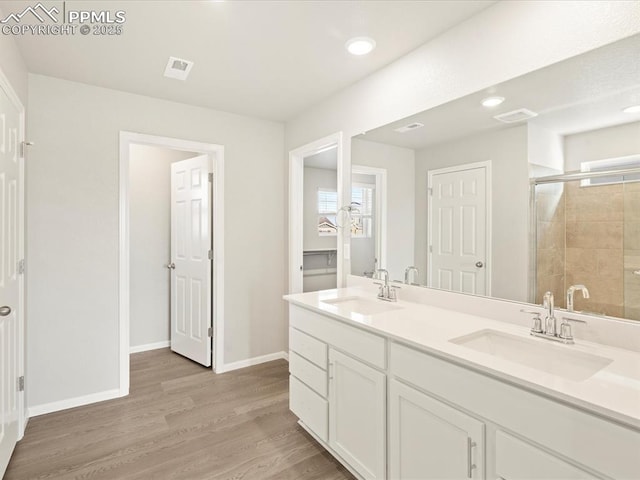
<point x="249" y="362"/>
<point x="73" y="402"/>
<point x="150" y="346"/>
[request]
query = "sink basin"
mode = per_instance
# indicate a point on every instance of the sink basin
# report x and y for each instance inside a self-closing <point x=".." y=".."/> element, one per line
<point x="363" y="306"/>
<point x="550" y="358"/>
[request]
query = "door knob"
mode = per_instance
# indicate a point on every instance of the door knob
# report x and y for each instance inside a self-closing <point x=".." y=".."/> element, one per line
<point x="479" y="264"/>
<point x="171" y="266"/>
<point x="4" y="311"/>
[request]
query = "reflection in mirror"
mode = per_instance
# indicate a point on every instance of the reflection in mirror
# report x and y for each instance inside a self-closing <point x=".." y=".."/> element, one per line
<point x="463" y="205"/>
<point x="320" y="230"/>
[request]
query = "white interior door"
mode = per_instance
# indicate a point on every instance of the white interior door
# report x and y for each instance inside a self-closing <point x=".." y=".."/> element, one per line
<point x="190" y="265"/>
<point x="10" y="241"/>
<point x="458" y="229"/>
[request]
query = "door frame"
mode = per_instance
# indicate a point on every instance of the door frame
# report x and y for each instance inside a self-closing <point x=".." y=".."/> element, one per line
<point x="296" y="198"/>
<point x="5" y="84"/>
<point x="488" y="221"/>
<point x="216" y="154"/>
<point x="380" y="175"/>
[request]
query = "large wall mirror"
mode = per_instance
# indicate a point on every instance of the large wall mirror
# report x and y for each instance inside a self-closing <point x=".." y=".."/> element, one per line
<point x="536" y="190"/>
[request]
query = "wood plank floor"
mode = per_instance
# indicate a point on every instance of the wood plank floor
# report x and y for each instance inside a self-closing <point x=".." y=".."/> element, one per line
<point x="180" y="421"/>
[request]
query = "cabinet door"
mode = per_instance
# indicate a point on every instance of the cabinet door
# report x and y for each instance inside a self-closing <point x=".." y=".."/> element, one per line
<point x="357" y="403"/>
<point x="519" y="460"/>
<point x="431" y="440"/>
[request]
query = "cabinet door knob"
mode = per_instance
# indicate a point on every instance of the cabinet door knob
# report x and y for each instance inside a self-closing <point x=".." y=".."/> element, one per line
<point x="479" y="264"/>
<point x="4" y="311"/>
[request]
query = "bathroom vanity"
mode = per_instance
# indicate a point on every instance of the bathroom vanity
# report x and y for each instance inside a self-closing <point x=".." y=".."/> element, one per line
<point x="406" y="390"/>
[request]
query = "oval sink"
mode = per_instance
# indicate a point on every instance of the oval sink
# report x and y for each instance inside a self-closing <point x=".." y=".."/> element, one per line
<point x="550" y="358"/>
<point x="363" y="306"/>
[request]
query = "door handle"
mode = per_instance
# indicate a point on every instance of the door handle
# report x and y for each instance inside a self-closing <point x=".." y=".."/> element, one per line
<point x="479" y="264"/>
<point x="4" y="311"/>
<point x="171" y="266"/>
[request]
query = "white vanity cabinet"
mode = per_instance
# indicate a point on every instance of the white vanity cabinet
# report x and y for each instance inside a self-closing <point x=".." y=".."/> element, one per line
<point x="445" y="419"/>
<point x="431" y="440"/>
<point x="357" y="413"/>
<point x="338" y="389"/>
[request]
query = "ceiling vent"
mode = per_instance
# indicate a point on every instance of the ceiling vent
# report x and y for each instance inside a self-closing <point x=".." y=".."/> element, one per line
<point x="178" y="68"/>
<point x="411" y="126"/>
<point x="516" y="116"/>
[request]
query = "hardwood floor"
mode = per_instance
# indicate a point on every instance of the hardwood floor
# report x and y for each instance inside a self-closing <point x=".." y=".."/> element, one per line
<point x="180" y="421"/>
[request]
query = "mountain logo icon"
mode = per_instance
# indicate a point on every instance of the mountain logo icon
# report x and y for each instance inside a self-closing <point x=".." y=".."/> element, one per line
<point x="39" y="11"/>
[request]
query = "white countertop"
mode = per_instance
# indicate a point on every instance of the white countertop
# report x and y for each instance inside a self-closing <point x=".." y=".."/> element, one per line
<point x="613" y="392"/>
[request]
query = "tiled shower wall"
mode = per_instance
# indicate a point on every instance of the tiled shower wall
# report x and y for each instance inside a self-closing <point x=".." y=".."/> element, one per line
<point x="590" y="236"/>
<point x="594" y="240"/>
<point x="632" y="250"/>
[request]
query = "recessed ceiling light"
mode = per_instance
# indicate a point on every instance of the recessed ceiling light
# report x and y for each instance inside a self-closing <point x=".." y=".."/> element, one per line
<point x="492" y="101"/>
<point x="360" y="45"/>
<point x="632" y="109"/>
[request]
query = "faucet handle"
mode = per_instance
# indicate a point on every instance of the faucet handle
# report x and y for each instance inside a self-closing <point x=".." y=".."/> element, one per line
<point x="565" y="332"/>
<point x="537" y="321"/>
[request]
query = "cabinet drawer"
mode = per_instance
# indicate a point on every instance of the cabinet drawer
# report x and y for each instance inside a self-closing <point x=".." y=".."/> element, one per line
<point x="308" y="347"/>
<point x="309" y="407"/>
<point x="308" y="373"/>
<point x="357" y="342"/>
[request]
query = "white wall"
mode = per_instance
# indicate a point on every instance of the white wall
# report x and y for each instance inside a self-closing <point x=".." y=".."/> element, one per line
<point x="72" y="202"/>
<point x="400" y="166"/>
<point x="150" y="242"/>
<point x="610" y="142"/>
<point x="545" y="151"/>
<point x="13" y="66"/>
<point x="507" y="151"/>
<point x="315" y="178"/>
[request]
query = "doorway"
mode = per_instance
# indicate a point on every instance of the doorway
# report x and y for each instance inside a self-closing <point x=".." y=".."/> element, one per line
<point x="168" y="151"/>
<point x="316" y="220"/>
<point x="459" y="227"/>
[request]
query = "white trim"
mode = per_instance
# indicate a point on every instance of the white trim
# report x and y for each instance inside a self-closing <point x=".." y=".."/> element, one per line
<point x="23" y="414"/>
<point x="249" y="362"/>
<point x="73" y="402"/>
<point x="488" y="219"/>
<point x="381" y="210"/>
<point x="150" y="346"/>
<point x="216" y="153"/>
<point x="296" y="198"/>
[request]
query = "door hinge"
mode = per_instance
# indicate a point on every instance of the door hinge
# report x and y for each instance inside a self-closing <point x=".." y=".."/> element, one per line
<point x="210" y="254"/>
<point x="210" y="332"/>
<point x="430" y="190"/>
<point x="21" y="383"/>
<point x="211" y="178"/>
<point x="21" y="267"/>
<point x="22" y="148"/>
<point x="430" y="248"/>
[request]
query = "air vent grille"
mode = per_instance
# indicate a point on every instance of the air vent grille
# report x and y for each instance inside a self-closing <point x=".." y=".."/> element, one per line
<point x="519" y="115"/>
<point x="178" y="68"/>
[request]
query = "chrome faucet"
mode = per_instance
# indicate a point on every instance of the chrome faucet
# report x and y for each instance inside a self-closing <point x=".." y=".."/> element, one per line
<point x="571" y="291"/>
<point x="549" y="329"/>
<point x="386" y="292"/>
<point x="407" y="272"/>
